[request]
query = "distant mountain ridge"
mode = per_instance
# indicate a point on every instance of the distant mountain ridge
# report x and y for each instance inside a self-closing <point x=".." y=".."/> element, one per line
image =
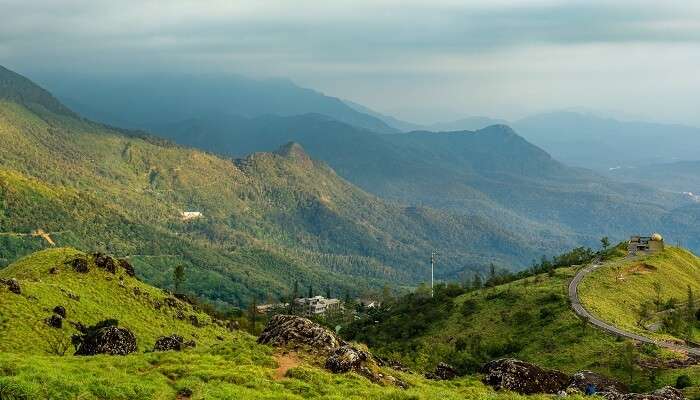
<point x="602" y="143"/>
<point x="139" y="102"/>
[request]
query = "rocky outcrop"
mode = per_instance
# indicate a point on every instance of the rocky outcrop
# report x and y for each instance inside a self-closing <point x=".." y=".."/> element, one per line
<point x="105" y="262"/>
<point x="521" y="377"/>
<point x="79" y="264"/>
<point x="345" y="359"/>
<point x="290" y="330"/>
<point x="54" y="321"/>
<point x="172" y="342"/>
<point x="582" y="379"/>
<point x="128" y="268"/>
<point x="104" y="338"/>
<point x="298" y="332"/>
<point x="443" y="372"/>
<point x="12" y="285"/>
<point x="393" y="364"/>
<point x="60" y="310"/>
<point x="665" y="393"/>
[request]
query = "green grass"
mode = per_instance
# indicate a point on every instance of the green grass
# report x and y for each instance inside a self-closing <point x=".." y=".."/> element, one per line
<point x="615" y="291"/>
<point x="529" y="319"/>
<point x="235" y="367"/>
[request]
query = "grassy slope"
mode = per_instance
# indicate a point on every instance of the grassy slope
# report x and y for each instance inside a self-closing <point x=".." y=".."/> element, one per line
<point x="535" y="316"/>
<point x="235" y="367"/>
<point x="270" y="221"/>
<point x="615" y="291"/>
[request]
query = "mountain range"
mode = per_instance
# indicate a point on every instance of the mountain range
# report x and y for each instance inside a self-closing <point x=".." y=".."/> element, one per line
<point x="266" y="220"/>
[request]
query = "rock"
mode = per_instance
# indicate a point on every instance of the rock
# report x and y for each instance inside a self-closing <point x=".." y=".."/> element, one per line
<point x="184" y="393"/>
<point x="524" y="378"/>
<point x="60" y="310"/>
<point x="193" y="320"/>
<point x="157" y="304"/>
<point x="233" y="326"/>
<point x="79" y="264"/>
<point x="444" y="372"/>
<point x="104" y="338"/>
<point x="171" y="302"/>
<point x="105" y="262"/>
<point x="602" y="383"/>
<point x="128" y="268"/>
<point x="137" y="291"/>
<point x="393" y="364"/>
<point x="54" y="321"/>
<point x="172" y="342"/>
<point x="12" y="285"/>
<point x="285" y="330"/>
<point x="665" y="393"/>
<point x="190" y="343"/>
<point x="345" y="359"/>
<point x="53" y="271"/>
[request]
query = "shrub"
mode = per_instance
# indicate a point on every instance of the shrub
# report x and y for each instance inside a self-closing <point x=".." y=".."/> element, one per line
<point x="683" y="381"/>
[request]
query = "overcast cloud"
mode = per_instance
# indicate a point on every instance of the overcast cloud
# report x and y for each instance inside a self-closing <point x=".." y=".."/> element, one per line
<point x="421" y="61"/>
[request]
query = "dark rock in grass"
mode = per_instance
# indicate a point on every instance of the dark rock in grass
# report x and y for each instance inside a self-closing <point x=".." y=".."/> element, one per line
<point x="193" y="320"/>
<point x="190" y="343"/>
<point x="233" y="326"/>
<point x="79" y="264"/>
<point x="12" y="285"/>
<point x="53" y="271"/>
<point x="105" y="262"/>
<point x="104" y="338"/>
<point x="54" y="321"/>
<point x="443" y="372"/>
<point x="60" y="310"/>
<point x="184" y="393"/>
<point x="157" y="304"/>
<point x="137" y="291"/>
<point x="582" y="379"/>
<point x="346" y="359"/>
<point x="128" y="268"/>
<point x="171" y="302"/>
<point x="393" y="364"/>
<point x="172" y="342"/>
<point x="285" y="330"/>
<point x="521" y="377"/>
<point x="665" y="393"/>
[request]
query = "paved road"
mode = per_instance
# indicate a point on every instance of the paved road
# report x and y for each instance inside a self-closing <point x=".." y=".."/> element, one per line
<point x="581" y="311"/>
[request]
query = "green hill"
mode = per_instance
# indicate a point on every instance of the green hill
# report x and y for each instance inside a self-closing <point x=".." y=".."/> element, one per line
<point x="529" y="319"/>
<point x="267" y="221"/>
<point x="223" y="365"/>
<point x="640" y="294"/>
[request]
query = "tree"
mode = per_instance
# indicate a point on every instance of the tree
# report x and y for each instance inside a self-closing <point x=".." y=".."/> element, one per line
<point x="295" y="295"/>
<point x="253" y="315"/>
<point x="644" y="312"/>
<point x="605" y="242"/>
<point x="179" y="277"/>
<point x="628" y="360"/>
<point x="476" y="282"/>
<point x="311" y="291"/>
<point x="328" y="292"/>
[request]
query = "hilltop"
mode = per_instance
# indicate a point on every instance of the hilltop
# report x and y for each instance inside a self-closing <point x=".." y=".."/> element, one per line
<point x="647" y="295"/>
<point x="223" y="364"/>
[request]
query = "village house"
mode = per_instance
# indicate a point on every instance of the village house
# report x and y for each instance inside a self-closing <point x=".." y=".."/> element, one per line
<point x="645" y="244"/>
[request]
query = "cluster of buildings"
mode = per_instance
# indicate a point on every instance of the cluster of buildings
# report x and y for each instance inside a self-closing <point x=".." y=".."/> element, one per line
<point x="312" y="306"/>
<point x="645" y="244"/>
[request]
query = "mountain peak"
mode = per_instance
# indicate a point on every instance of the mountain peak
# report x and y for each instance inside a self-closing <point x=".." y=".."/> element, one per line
<point x="15" y="87"/>
<point x="293" y="150"/>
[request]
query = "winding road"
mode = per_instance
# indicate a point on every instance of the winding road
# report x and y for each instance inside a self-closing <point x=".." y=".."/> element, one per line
<point x="582" y="312"/>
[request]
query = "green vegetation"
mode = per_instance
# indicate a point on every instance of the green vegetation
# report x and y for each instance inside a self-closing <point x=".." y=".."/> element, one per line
<point x="223" y="365"/>
<point x="267" y="220"/>
<point x="526" y="317"/>
<point x="647" y="295"/>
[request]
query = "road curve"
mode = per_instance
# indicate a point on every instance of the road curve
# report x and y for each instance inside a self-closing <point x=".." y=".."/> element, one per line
<point x="582" y="312"/>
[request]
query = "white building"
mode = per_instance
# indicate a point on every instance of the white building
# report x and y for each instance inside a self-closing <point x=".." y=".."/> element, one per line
<point x="318" y="305"/>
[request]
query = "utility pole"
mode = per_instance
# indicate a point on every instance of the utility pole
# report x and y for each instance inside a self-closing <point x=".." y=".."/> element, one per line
<point x="432" y="271"/>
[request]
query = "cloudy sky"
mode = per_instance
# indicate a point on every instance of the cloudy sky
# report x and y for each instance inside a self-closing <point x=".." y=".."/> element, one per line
<point x="421" y="61"/>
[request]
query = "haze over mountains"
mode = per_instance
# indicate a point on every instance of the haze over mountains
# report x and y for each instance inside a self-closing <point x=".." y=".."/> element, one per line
<point x="491" y="173"/>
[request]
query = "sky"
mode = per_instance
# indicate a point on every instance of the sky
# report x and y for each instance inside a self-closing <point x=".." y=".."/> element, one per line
<point x="423" y="61"/>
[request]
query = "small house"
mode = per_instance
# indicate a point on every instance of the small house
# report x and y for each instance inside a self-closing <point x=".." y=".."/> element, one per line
<point x="645" y="244"/>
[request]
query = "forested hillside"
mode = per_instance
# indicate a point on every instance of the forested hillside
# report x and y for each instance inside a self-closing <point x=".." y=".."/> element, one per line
<point x="492" y="173"/>
<point x="267" y="220"/>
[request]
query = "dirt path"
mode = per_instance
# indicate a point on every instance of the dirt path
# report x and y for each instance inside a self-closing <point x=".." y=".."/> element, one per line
<point x="581" y="311"/>
<point x="284" y="363"/>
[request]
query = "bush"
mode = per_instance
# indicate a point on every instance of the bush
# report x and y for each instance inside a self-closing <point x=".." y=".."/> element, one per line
<point x="469" y="307"/>
<point x="683" y="381"/>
